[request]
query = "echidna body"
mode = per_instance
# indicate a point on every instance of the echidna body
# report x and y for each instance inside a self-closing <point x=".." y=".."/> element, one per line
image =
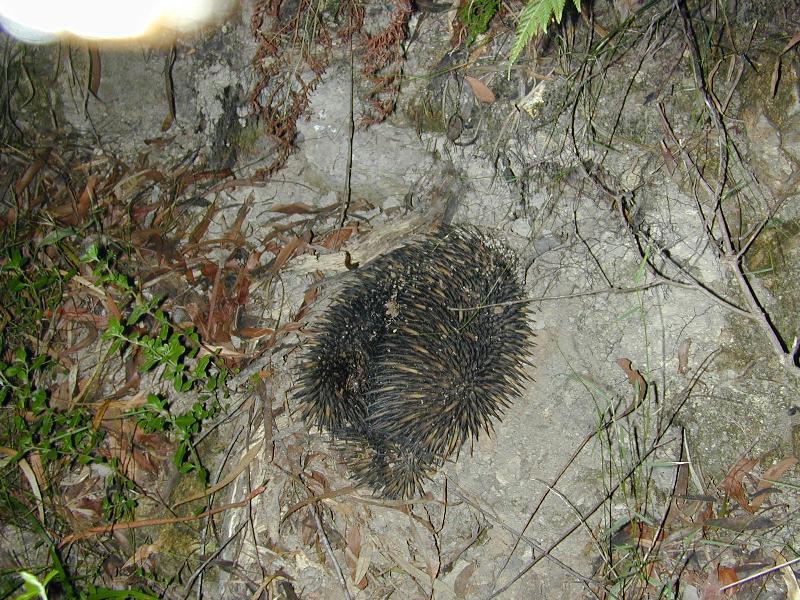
<point x="423" y="350"/>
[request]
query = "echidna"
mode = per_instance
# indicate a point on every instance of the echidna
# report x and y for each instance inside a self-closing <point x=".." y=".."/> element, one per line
<point x="422" y="350"/>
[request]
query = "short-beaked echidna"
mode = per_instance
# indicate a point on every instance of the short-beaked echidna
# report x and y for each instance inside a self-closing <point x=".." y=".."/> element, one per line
<point x="421" y="350"/>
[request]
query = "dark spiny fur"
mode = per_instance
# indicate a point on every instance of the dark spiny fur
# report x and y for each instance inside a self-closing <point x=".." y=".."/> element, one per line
<point x="423" y="349"/>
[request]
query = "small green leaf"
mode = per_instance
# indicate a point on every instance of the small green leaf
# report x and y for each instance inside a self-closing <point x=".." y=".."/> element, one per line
<point x="136" y="314"/>
<point x="92" y="254"/>
<point x="533" y="18"/>
<point x="33" y="587"/>
<point x="56" y="235"/>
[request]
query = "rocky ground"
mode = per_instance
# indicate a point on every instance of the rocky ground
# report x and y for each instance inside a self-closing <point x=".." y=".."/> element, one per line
<point x="641" y="162"/>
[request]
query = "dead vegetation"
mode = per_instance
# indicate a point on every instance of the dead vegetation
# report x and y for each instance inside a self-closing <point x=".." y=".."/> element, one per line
<point x="130" y="341"/>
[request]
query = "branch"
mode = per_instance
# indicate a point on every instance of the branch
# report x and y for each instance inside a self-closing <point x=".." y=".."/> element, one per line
<point x="731" y="257"/>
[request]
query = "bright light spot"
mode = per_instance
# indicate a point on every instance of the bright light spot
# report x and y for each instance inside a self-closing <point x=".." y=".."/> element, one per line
<point x="41" y="21"/>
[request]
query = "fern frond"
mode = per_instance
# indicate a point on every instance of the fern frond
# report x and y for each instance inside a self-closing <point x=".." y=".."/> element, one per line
<point x="557" y="7"/>
<point x="534" y="17"/>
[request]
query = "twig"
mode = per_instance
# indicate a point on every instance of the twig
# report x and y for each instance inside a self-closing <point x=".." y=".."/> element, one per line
<point x="731" y="257"/>
<point x="520" y="536"/>
<point x="759" y="574"/>
<point x="637" y="235"/>
<point x="351" y="132"/>
<point x="327" y="545"/>
<point x="551" y="486"/>
<point x="103" y="529"/>
<point x="199" y="570"/>
<point x="599" y="504"/>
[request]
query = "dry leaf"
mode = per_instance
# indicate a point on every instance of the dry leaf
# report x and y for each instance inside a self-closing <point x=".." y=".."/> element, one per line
<point x="792" y="43"/>
<point x="480" y="89"/>
<point x="235" y="232"/>
<point x="28" y="471"/>
<point x="732" y="484"/>
<point x="335" y="239"/>
<point x="362" y="565"/>
<point x="461" y="585"/>
<point x="251" y="333"/>
<point x="727" y="575"/>
<point x="634" y="377"/>
<point x="200" y="230"/>
<point x="669" y="160"/>
<point x="94" y="70"/>
<point x="792" y="588"/>
<point x="285" y="253"/>
<point x="169" y="87"/>
<point x="776" y="77"/>
<point x="296" y="208"/>
<point x="143" y="554"/>
<point x="771" y="475"/>
<point x="352" y="538"/>
<point x="683" y="355"/>
<point x="26" y="178"/>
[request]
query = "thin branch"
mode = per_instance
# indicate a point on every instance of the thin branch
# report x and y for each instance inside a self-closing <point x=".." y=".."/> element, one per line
<point x="731" y="257"/>
<point x="662" y="430"/>
<point x="105" y="529"/>
<point x="351" y="132"/>
<point x="323" y="537"/>
<point x="760" y="574"/>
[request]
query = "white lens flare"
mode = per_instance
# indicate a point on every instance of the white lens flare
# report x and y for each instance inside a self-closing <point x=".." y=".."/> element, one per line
<point x="41" y="21"/>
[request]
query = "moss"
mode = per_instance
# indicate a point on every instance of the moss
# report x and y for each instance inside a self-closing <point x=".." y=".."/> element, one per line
<point x="425" y="117"/>
<point x="476" y="15"/>
<point x="773" y="260"/>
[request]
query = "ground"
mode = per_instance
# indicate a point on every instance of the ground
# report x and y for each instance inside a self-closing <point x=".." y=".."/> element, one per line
<point x="640" y="159"/>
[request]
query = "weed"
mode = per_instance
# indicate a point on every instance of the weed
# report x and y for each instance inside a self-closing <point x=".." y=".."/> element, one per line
<point x="476" y="15"/>
<point x="56" y="436"/>
<point x="173" y="350"/>
<point x="533" y="18"/>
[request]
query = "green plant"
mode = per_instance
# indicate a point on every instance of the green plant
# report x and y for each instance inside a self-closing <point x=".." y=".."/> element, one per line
<point x="29" y="290"/>
<point x="160" y="344"/>
<point x="476" y="16"/>
<point x="35" y="426"/>
<point x="533" y="18"/>
<point x="34" y="587"/>
<point x="60" y="435"/>
<point x="155" y="416"/>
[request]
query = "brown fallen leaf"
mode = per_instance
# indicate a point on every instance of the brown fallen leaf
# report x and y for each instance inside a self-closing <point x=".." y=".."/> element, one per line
<point x="169" y="88"/>
<point x="94" y="70"/>
<point x="285" y="253"/>
<point x="145" y="555"/>
<point x="792" y="43"/>
<point x="335" y="239"/>
<point x="36" y="166"/>
<point x="669" y="160"/>
<point x="362" y="566"/>
<point x="461" y="586"/>
<point x="732" y="484"/>
<point x="634" y="377"/>
<point x="727" y="575"/>
<point x="480" y="89"/>
<point x="200" y="229"/>
<point x="683" y="355"/>
<point x="296" y="208"/>
<point x="789" y="579"/>
<point x="776" y="71"/>
<point x="771" y="475"/>
<point x="235" y="231"/>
